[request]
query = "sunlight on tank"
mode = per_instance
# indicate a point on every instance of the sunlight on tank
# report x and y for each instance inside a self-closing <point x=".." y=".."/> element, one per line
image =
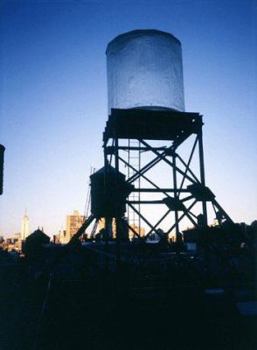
<point x="144" y="69"/>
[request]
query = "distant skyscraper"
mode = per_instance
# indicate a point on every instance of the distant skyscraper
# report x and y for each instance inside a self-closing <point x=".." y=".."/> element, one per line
<point x="24" y="226"/>
<point x="73" y="223"/>
<point x="62" y="236"/>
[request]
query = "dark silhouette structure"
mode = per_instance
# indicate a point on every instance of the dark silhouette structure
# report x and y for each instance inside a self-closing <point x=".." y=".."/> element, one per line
<point x="186" y="189"/>
<point x="33" y="247"/>
<point x="2" y="149"/>
<point x="147" y="122"/>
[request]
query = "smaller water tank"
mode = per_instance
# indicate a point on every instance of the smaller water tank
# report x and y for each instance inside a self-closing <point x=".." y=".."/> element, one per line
<point x="144" y="70"/>
<point x="109" y="191"/>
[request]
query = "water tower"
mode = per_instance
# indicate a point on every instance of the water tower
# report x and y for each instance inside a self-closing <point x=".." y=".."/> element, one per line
<point x="150" y="136"/>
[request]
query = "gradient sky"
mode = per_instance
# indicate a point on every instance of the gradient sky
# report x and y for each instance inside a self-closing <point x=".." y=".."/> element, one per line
<point x="54" y="98"/>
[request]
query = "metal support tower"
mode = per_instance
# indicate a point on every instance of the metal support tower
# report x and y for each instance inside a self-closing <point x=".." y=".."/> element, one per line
<point x="183" y="196"/>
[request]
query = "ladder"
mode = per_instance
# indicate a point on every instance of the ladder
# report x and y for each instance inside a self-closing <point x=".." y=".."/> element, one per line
<point x="134" y="159"/>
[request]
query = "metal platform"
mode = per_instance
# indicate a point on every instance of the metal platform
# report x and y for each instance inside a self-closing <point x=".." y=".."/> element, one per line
<point x="151" y="124"/>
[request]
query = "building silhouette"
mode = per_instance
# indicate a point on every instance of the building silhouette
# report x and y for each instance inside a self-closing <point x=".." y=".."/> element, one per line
<point x="34" y="244"/>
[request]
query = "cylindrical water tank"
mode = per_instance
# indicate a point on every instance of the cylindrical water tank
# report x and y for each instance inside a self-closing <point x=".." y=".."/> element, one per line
<point x="144" y="69"/>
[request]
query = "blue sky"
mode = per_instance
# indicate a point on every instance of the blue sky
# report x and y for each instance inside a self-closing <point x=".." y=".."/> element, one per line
<point x="54" y="97"/>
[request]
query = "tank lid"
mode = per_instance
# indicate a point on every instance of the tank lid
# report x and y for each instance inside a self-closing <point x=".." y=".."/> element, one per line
<point x="138" y="33"/>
